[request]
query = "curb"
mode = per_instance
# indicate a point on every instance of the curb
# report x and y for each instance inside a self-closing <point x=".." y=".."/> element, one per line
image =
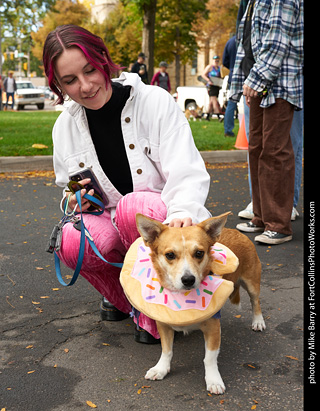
<point x="22" y="164"/>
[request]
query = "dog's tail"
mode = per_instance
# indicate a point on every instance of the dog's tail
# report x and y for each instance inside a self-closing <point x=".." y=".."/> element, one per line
<point x="235" y="296"/>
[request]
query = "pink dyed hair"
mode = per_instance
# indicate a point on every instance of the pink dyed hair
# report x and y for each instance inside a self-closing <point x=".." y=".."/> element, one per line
<point x="93" y="47"/>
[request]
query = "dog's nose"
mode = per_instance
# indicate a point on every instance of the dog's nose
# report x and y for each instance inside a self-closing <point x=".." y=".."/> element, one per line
<point x="188" y="280"/>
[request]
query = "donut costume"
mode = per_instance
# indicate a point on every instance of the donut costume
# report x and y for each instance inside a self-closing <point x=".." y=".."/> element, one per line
<point x="145" y="293"/>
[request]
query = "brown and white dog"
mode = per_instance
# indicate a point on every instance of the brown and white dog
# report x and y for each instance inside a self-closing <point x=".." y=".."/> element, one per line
<point x="181" y="258"/>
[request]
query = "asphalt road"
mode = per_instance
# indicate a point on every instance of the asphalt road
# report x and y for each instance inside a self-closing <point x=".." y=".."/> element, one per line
<point x="56" y="354"/>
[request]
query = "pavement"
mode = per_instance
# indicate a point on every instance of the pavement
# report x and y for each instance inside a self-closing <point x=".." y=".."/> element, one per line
<point x="56" y="353"/>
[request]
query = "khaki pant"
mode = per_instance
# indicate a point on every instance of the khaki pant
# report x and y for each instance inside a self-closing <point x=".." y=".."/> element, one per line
<point x="272" y="169"/>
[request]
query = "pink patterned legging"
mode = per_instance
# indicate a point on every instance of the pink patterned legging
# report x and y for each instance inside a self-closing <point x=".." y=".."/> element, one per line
<point x="113" y="245"/>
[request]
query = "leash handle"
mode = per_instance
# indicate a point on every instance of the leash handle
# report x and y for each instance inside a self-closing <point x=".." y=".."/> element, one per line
<point x="82" y="243"/>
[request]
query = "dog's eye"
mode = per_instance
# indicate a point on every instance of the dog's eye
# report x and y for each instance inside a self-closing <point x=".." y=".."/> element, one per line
<point x="170" y="256"/>
<point x="199" y="254"/>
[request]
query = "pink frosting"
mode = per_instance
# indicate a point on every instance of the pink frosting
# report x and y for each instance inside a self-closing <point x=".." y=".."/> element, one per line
<point x="153" y="292"/>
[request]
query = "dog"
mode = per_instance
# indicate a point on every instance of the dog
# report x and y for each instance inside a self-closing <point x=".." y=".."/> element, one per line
<point x="181" y="258"/>
<point x="194" y="113"/>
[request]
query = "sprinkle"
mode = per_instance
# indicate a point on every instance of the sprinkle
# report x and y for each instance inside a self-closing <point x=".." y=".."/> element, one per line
<point x="141" y="271"/>
<point x="166" y="299"/>
<point x="161" y="289"/>
<point x="187" y="293"/>
<point x="148" y="273"/>
<point x="154" y="279"/>
<point x="150" y="297"/>
<point x="144" y="260"/>
<point x="191" y="301"/>
<point x="218" y="249"/>
<point x="218" y="261"/>
<point x="198" y="291"/>
<point x="223" y="255"/>
<point x="177" y="304"/>
<point x="150" y="286"/>
<point x="204" y="283"/>
<point x="143" y="249"/>
<point x="208" y="292"/>
<point x="203" y="301"/>
<point x="210" y="277"/>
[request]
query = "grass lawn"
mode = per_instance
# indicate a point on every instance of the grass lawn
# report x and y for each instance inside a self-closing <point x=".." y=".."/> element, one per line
<point x="20" y="130"/>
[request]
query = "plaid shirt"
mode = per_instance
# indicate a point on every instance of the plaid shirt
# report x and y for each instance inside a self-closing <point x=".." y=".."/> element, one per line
<point x="277" y="47"/>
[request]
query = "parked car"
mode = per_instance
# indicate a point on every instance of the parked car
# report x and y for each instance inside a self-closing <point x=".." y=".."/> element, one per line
<point x="48" y="93"/>
<point x="27" y="94"/>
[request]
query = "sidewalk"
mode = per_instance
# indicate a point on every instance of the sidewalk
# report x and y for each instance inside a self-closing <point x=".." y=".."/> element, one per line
<point x="21" y="164"/>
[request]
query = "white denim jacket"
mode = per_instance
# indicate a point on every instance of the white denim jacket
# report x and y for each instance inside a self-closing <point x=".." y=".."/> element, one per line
<point x="159" y="145"/>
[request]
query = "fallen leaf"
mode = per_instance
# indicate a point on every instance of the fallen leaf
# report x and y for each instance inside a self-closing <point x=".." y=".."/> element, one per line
<point x="292" y="358"/>
<point x="29" y="346"/>
<point x="91" y="404"/>
<point x="39" y="146"/>
<point x="66" y="350"/>
<point x="251" y="366"/>
<point x="106" y="344"/>
<point x="45" y="296"/>
<point x="253" y="407"/>
<point x="55" y="289"/>
<point x="39" y="268"/>
<point x="238" y="316"/>
<point x="35" y="302"/>
<point x="30" y="372"/>
<point x="139" y="391"/>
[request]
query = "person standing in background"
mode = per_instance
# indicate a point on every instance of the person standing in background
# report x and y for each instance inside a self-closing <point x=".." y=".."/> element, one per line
<point x="161" y="78"/>
<point x="10" y="87"/>
<point x="228" y="59"/>
<point x="269" y="73"/>
<point x="140" y="68"/>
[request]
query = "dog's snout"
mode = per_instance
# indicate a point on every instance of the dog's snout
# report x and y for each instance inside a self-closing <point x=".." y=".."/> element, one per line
<point x="188" y="280"/>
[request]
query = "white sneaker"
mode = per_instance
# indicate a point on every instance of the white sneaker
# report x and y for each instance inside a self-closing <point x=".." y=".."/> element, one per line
<point x="294" y="214"/>
<point x="247" y="212"/>
<point x="273" y="237"/>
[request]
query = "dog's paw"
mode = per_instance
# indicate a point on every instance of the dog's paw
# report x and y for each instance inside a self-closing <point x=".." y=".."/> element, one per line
<point x="258" y="323"/>
<point x="216" y="387"/>
<point x="156" y="373"/>
<point x="214" y="381"/>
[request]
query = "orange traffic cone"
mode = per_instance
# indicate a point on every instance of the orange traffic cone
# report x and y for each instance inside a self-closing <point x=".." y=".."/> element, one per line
<point x="242" y="142"/>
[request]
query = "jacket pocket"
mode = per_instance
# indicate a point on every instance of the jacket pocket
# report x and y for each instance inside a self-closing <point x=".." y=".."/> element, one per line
<point x="79" y="162"/>
<point x="153" y="152"/>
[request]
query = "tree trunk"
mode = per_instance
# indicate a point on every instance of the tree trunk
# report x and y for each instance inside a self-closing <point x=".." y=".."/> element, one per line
<point x="149" y="17"/>
<point x="177" y="57"/>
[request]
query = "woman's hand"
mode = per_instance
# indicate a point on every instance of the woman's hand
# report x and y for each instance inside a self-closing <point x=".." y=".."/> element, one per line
<point x="177" y="222"/>
<point x="84" y="202"/>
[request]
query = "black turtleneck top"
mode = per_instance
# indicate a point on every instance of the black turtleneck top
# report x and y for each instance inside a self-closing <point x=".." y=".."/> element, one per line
<point x="106" y="133"/>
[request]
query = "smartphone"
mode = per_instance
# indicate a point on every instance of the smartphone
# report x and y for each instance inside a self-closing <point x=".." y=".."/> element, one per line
<point x="94" y="184"/>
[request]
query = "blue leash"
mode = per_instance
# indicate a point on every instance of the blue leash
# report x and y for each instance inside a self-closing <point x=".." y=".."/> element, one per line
<point x="84" y="233"/>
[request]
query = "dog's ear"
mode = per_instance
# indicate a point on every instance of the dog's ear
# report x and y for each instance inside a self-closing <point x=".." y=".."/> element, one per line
<point x="214" y="225"/>
<point x="149" y="229"/>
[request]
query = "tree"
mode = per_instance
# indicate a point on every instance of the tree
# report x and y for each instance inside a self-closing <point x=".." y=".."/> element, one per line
<point x="147" y="9"/>
<point x="176" y="39"/>
<point x="122" y="33"/>
<point x="216" y="28"/>
<point x="17" y="19"/>
<point x="64" y="12"/>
